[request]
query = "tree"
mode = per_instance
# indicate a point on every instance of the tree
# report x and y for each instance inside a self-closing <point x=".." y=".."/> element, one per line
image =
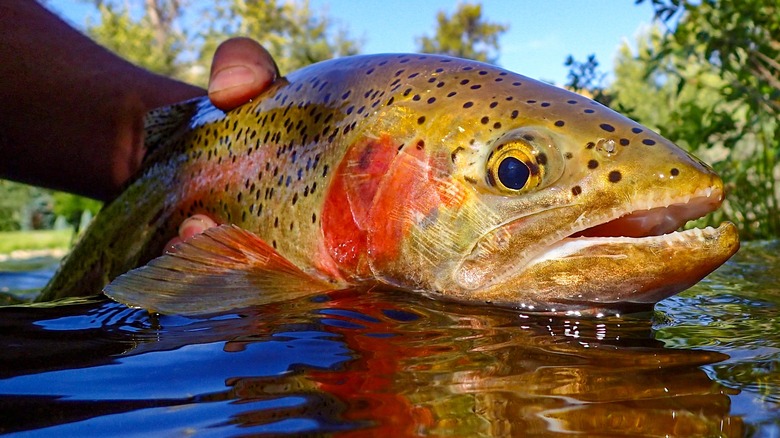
<point x="587" y="79"/>
<point x="739" y="41"/>
<point x="72" y="207"/>
<point x="23" y="207"/>
<point x="149" y="38"/>
<point x="465" y="34"/>
<point x="293" y="33"/>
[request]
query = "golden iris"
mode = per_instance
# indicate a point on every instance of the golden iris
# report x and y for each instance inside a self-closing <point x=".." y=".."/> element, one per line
<point x="513" y="167"/>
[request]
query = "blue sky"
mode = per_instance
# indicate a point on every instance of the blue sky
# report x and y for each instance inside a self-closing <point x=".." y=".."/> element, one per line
<point x="541" y="32"/>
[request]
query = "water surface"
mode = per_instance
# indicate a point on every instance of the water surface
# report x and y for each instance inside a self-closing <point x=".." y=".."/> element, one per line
<point x="383" y="363"/>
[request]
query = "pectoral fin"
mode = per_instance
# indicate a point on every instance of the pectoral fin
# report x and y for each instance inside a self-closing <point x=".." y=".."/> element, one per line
<point x="224" y="268"/>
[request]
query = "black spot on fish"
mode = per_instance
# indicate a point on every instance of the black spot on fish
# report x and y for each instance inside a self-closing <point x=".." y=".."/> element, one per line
<point x="559" y="123"/>
<point x="431" y="99"/>
<point x="464" y="82"/>
<point x="485" y="120"/>
<point x="590" y="145"/>
<point x="624" y="142"/>
<point x="648" y="142"/>
<point x="607" y="127"/>
<point x="420" y="145"/>
<point x="592" y="164"/>
<point x="468" y="104"/>
<point x="514" y="114"/>
<point x="493" y="104"/>
<point x="636" y="130"/>
<point x="568" y="155"/>
<point x="421" y="120"/>
<point x="615" y="176"/>
<point x="455" y="153"/>
<point x="576" y="190"/>
<point x="675" y="171"/>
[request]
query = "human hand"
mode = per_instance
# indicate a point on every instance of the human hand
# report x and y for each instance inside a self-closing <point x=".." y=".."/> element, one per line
<point x="241" y="69"/>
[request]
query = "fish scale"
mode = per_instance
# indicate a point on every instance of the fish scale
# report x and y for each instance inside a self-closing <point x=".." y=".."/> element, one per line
<point x="384" y="169"/>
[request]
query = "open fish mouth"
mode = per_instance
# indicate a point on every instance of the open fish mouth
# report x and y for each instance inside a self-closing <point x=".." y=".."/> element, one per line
<point x="653" y="220"/>
<point x="621" y="260"/>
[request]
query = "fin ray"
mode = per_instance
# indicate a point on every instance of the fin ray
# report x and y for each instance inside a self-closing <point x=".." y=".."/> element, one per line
<point x="224" y="268"/>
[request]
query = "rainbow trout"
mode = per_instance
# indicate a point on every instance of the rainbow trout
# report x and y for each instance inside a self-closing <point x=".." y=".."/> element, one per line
<point x="431" y="174"/>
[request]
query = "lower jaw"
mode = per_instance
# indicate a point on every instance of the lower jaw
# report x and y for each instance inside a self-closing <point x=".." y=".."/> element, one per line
<point x="592" y="275"/>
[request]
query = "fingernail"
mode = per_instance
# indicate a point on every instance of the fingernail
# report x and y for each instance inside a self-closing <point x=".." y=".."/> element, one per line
<point x="230" y="77"/>
<point x="195" y="224"/>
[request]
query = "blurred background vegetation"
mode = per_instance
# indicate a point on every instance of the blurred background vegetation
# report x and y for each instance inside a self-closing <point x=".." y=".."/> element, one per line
<point x="706" y="76"/>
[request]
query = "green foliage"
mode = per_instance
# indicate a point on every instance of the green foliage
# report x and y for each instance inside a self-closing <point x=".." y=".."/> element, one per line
<point x="72" y="207"/>
<point x="290" y="30"/>
<point x="23" y="207"/>
<point x="586" y="78"/>
<point x="465" y="34"/>
<point x="724" y="56"/>
<point x="149" y="39"/>
<point x="711" y="84"/>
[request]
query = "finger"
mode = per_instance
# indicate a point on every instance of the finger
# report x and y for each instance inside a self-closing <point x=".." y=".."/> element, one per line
<point x="241" y="70"/>
<point x="195" y="224"/>
<point x="189" y="227"/>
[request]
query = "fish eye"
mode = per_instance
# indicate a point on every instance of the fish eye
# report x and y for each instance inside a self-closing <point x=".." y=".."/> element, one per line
<point x="513" y="173"/>
<point x="513" y="167"/>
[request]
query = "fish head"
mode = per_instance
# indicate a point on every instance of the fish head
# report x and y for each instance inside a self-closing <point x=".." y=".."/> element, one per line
<point x="506" y="190"/>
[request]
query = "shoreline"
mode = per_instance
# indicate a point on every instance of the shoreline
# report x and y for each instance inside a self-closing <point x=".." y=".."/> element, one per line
<point x="28" y="254"/>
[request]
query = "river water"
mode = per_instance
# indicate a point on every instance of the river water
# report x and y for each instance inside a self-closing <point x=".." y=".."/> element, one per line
<point x="384" y="363"/>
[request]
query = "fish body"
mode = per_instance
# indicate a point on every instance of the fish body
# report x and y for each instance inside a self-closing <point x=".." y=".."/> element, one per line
<point x="426" y="173"/>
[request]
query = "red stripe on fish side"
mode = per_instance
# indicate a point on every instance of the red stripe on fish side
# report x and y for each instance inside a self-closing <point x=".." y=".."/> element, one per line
<point x="349" y="202"/>
<point x="406" y="198"/>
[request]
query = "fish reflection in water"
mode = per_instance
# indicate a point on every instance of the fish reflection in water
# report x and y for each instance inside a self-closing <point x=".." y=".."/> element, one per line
<point x="351" y="362"/>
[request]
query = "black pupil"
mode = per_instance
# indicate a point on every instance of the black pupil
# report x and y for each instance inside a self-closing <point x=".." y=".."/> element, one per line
<point x="513" y="173"/>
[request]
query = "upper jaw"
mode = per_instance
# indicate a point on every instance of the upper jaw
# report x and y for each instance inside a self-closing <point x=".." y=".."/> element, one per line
<point x="651" y="217"/>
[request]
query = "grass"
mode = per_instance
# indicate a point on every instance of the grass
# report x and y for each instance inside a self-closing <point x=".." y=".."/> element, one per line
<point x="34" y="240"/>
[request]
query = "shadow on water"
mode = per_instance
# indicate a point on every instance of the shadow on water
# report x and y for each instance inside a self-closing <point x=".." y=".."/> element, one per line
<point x="355" y="362"/>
